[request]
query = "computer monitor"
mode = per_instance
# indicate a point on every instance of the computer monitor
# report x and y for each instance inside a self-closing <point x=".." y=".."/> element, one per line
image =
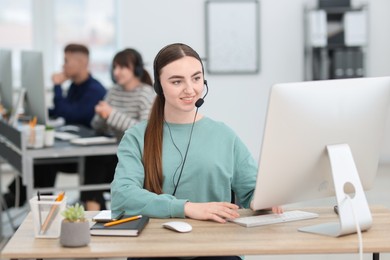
<point x="32" y="80"/>
<point x="310" y="129"/>
<point x="6" y="89"/>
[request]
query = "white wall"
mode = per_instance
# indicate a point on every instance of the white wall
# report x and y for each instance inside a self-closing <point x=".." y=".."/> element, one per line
<point x="378" y="59"/>
<point x="241" y="100"/>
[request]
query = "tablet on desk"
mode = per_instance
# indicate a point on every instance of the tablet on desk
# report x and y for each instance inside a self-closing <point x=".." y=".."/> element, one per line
<point x="93" y="140"/>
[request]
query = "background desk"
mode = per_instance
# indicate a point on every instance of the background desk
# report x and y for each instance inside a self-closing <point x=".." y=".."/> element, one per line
<point x="13" y="148"/>
<point x="61" y="150"/>
<point x="208" y="239"/>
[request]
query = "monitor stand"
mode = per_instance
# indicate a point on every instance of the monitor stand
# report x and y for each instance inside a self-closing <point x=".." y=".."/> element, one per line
<point x="346" y="182"/>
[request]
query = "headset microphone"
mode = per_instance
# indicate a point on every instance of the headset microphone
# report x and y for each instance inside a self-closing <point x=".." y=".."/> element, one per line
<point x="200" y="101"/>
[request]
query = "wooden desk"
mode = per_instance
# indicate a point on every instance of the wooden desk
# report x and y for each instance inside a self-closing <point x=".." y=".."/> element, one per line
<point x="208" y="239"/>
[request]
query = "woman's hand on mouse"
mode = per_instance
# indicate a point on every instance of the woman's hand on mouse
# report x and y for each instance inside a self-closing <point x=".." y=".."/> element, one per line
<point x="217" y="211"/>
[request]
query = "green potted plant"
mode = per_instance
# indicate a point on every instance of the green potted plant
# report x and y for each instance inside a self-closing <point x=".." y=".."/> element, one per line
<point x="74" y="227"/>
<point x="49" y="135"/>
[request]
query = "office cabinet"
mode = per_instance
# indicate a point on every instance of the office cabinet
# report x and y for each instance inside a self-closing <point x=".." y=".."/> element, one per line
<point x="335" y="42"/>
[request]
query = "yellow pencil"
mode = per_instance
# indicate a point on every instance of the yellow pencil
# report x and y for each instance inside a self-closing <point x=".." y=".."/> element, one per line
<point x="116" y="222"/>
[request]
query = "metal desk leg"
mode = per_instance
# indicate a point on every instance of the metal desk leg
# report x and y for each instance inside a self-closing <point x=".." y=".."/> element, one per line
<point x="375" y="256"/>
<point x="1" y="204"/>
<point x="28" y="177"/>
<point x="81" y="170"/>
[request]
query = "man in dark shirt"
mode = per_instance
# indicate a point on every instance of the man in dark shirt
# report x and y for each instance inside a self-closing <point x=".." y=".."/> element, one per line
<point x="77" y="107"/>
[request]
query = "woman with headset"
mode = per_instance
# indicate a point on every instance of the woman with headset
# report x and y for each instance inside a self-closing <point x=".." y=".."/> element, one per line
<point x="127" y="103"/>
<point x="180" y="163"/>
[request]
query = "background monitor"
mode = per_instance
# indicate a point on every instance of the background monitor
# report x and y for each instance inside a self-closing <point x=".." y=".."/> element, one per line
<point x="302" y="119"/>
<point x="6" y="89"/>
<point x="32" y="80"/>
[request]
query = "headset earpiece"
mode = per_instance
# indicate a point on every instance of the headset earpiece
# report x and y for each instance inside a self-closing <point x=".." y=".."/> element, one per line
<point x="112" y="73"/>
<point x="139" y="64"/>
<point x="157" y="87"/>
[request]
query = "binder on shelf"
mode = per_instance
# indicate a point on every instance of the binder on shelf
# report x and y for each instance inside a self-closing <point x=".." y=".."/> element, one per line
<point x="339" y="64"/>
<point x="359" y="64"/>
<point x="355" y="28"/>
<point x="349" y="63"/>
<point x="320" y="68"/>
<point x="317" y="33"/>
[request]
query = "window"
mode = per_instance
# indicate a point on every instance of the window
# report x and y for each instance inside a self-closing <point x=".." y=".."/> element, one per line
<point x="89" y="22"/>
<point x="50" y="25"/>
<point x="16" y="30"/>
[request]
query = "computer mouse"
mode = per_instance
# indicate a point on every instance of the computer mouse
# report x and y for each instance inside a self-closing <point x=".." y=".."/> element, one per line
<point x="178" y="226"/>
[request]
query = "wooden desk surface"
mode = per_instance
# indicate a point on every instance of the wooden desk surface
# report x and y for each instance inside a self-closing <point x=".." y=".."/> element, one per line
<point x="209" y="238"/>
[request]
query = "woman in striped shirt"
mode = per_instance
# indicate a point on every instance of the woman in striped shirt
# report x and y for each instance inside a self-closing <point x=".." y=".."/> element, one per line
<point x="128" y="102"/>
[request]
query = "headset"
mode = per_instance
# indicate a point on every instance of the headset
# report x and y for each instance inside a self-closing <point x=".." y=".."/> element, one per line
<point x="138" y="63"/>
<point x="157" y="84"/>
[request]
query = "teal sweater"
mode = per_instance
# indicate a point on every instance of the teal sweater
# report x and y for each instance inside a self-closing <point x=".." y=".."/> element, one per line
<point x="217" y="163"/>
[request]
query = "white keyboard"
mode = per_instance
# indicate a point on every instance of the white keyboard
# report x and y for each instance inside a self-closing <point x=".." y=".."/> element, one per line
<point x="272" y="218"/>
<point x="65" y="136"/>
<point x="94" y="140"/>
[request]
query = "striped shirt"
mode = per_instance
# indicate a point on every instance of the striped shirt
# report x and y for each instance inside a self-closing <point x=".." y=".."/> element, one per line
<point x="129" y="108"/>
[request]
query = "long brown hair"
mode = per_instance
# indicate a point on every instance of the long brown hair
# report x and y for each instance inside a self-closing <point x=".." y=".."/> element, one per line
<point x="152" y="156"/>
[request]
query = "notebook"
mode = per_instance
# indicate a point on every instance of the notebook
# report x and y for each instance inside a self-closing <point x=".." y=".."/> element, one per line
<point x="131" y="228"/>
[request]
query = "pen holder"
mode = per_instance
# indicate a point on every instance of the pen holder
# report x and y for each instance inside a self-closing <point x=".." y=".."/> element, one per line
<point x="35" y="136"/>
<point x="47" y="216"/>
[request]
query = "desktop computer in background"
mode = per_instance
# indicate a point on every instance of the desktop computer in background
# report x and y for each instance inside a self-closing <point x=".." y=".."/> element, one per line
<point x="321" y="139"/>
<point x="32" y="79"/>
<point x="6" y="84"/>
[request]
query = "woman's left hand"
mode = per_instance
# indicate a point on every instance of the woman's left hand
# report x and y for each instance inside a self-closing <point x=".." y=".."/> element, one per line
<point x="274" y="209"/>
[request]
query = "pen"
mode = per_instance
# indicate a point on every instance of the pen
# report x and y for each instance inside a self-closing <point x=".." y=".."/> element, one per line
<point x="60" y="196"/>
<point x="116" y="222"/>
<point x="52" y="212"/>
<point x="39" y="209"/>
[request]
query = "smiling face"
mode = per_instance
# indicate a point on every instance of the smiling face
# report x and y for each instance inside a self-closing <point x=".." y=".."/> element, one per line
<point x="182" y="83"/>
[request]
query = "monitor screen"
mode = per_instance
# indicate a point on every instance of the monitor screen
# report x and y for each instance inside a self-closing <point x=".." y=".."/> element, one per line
<point x="6" y="89"/>
<point x="302" y="120"/>
<point x="32" y="81"/>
